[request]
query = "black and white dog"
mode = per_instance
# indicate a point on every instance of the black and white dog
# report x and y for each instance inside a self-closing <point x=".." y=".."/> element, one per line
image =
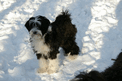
<point x="46" y="38"/>
<point x="113" y="73"/>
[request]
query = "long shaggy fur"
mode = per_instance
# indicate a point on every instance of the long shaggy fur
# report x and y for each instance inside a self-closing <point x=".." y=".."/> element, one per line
<point x="62" y="35"/>
<point x="113" y="73"/>
<point x="46" y="38"/>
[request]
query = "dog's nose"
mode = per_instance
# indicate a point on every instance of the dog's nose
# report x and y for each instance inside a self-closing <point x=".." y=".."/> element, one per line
<point x="35" y="32"/>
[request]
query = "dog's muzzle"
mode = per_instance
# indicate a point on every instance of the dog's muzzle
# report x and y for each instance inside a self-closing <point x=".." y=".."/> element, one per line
<point x="35" y="32"/>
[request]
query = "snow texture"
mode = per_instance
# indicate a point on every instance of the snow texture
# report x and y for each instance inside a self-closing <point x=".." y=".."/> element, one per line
<point x="99" y="36"/>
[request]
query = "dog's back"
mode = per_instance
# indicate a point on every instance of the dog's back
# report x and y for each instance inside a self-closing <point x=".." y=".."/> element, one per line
<point x="63" y="34"/>
<point x="63" y="17"/>
<point x="64" y="26"/>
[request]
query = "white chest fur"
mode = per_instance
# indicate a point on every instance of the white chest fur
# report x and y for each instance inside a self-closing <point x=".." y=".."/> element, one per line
<point x="39" y="46"/>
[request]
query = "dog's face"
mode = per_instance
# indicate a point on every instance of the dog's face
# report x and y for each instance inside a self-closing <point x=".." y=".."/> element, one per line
<point x="37" y="26"/>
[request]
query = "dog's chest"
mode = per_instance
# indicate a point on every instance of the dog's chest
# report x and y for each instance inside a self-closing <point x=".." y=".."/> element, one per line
<point x="40" y="47"/>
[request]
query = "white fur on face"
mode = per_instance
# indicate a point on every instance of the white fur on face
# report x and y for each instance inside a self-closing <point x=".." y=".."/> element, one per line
<point x="35" y="20"/>
<point x="38" y="34"/>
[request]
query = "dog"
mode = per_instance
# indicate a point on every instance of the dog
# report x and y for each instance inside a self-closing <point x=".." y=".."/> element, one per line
<point x="113" y="73"/>
<point x="46" y="38"/>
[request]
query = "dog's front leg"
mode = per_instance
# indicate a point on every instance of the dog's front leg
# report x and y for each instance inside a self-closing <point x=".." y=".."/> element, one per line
<point x="53" y="65"/>
<point x="43" y="65"/>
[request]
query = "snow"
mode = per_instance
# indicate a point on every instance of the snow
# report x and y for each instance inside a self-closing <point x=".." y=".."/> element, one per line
<point x="99" y="37"/>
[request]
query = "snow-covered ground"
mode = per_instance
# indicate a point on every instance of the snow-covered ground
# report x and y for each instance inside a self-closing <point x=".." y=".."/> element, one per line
<point x="99" y="25"/>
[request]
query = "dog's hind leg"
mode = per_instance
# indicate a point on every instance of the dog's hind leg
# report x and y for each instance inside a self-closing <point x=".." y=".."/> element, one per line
<point x="71" y="50"/>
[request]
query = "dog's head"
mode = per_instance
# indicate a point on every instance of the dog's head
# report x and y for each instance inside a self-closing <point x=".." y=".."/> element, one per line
<point x="37" y="26"/>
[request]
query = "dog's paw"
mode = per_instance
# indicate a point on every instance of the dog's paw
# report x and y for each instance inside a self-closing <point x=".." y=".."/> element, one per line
<point x="51" y="71"/>
<point x="71" y="57"/>
<point x="41" y="70"/>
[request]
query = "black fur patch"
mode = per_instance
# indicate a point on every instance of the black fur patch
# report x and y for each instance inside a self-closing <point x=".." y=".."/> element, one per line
<point x="62" y="35"/>
<point x="113" y="73"/>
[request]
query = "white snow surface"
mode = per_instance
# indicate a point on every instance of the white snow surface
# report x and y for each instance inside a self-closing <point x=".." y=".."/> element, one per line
<point x="99" y="36"/>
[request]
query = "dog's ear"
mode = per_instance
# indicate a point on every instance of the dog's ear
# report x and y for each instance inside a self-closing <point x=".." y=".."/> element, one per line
<point x="47" y="22"/>
<point x="44" y="25"/>
<point x="27" y="25"/>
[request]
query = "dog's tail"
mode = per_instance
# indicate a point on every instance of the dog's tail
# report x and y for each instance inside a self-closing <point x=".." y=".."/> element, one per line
<point x="64" y="16"/>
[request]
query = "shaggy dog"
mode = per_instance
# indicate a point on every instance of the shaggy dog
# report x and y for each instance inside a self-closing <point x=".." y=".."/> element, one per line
<point x="46" y="38"/>
<point x="113" y="73"/>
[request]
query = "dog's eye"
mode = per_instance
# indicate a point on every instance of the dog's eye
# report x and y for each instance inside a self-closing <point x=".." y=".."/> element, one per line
<point x="39" y="20"/>
<point x="37" y="24"/>
<point x="35" y="32"/>
<point x="34" y="24"/>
